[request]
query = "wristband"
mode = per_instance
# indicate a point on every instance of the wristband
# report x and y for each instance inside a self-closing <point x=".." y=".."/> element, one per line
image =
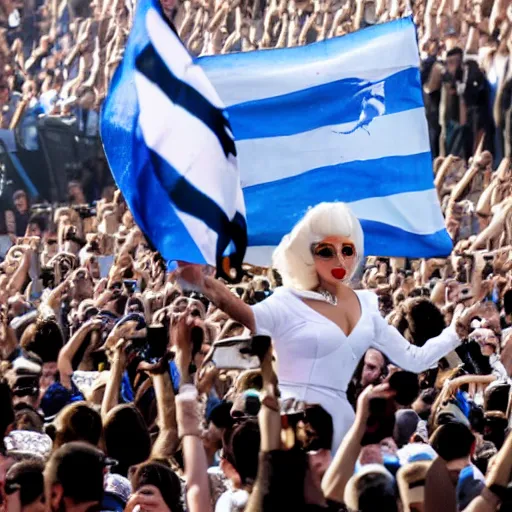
<point x="187" y="416"/>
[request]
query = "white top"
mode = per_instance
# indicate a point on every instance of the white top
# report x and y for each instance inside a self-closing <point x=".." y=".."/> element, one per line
<point x="316" y="360"/>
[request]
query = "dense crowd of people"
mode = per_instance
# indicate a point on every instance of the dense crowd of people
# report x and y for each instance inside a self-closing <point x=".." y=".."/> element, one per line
<point x="109" y="398"/>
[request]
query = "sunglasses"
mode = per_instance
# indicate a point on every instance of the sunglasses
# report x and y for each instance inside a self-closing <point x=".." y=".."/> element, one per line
<point x="329" y="251"/>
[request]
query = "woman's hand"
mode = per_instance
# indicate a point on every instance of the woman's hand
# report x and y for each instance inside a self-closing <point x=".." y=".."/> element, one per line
<point x="149" y="499"/>
<point x="190" y="277"/>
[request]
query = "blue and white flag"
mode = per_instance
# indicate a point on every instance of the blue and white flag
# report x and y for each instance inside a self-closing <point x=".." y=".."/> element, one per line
<point x="339" y="120"/>
<point x="170" y="147"/>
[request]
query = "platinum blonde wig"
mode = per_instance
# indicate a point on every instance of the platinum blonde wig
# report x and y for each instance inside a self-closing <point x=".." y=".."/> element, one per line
<point x="293" y="258"/>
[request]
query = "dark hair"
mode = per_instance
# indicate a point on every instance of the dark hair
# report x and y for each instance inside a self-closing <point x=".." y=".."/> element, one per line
<point x="419" y="320"/>
<point x="220" y="415"/>
<point x="319" y="428"/>
<point x="496" y="397"/>
<point x="78" y="422"/>
<point x="454" y="51"/>
<point x="376" y="492"/>
<point x="241" y="447"/>
<point x="125" y="427"/>
<point x="428" y="396"/>
<point x="6" y="409"/>
<point x="39" y="220"/>
<point x="28" y="474"/>
<point x="46" y="340"/>
<point x="507" y="302"/>
<point x="27" y="418"/>
<point x="163" y="478"/>
<point x="453" y="441"/>
<point x="496" y="427"/>
<point x="483" y="455"/>
<point x="79" y="468"/>
<point x="476" y="418"/>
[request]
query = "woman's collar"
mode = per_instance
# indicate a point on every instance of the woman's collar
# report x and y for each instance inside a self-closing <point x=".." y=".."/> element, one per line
<point x="307" y="294"/>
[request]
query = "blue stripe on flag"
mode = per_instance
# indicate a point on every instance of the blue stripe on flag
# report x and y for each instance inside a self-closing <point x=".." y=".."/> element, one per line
<point x="151" y="65"/>
<point x="389" y="240"/>
<point x="352" y="181"/>
<point x="322" y="105"/>
<point x="380" y="238"/>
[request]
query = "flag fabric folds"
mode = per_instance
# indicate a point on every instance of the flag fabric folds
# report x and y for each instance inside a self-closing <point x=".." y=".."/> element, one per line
<point x="171" y="150"/>
<point x="338" y="120"/>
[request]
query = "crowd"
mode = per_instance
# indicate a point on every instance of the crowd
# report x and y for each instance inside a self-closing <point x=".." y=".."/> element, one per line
<point x="108" y="396"/>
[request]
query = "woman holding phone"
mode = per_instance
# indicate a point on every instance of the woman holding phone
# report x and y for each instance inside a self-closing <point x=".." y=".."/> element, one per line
<point x="320" y="327"/>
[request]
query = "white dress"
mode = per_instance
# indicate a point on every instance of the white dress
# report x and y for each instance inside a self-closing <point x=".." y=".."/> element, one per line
<point x="316" y="360"/>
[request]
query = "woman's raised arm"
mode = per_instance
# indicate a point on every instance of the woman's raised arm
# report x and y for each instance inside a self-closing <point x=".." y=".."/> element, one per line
<point x="192" y="277"/>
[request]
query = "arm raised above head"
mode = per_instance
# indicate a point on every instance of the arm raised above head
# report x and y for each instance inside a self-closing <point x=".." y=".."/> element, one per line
<point x="192" y="277"/>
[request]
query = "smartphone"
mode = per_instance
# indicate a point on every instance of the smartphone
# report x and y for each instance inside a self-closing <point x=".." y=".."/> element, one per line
<point x="238" y="353"/>
<point x="157" y="340"/>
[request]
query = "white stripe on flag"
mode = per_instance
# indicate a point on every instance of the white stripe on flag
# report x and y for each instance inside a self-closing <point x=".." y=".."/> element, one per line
<point x="274" y="158"/>
<point x="204" y="237"/>
<point x="401" y="211"/>
<point x="187" y="144"/>
<point x="250" y="79"/>
<point x="177" y="59"/>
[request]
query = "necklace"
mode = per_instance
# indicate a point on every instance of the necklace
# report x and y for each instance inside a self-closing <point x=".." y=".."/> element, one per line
<point x="328" y="296"/>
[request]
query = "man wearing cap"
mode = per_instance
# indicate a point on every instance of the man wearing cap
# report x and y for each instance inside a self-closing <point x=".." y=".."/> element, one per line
<point x="74" y="478"/>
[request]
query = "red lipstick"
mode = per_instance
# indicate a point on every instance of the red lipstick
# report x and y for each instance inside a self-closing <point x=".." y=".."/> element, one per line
<point x="338" y="273"/>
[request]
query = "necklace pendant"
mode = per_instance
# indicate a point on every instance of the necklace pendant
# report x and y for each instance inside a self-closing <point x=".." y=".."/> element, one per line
<point x="329" y="297"/>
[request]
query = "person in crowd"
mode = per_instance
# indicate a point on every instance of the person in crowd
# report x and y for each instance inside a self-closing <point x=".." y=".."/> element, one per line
<point x="21" y="211"/>
<point x="9" y="102"/>
<point x="25" y="480"/>
<point x="372" y="369"/>
<point x="97" y="412"/>
<point x="74" y="477"/>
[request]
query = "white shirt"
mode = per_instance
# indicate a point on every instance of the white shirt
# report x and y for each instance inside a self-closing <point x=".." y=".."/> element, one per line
<point x="316" y="360"/>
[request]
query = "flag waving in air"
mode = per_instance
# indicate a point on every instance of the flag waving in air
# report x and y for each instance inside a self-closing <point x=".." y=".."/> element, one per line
<point x="169" y="144"/>
<point x="338" y="120"/>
